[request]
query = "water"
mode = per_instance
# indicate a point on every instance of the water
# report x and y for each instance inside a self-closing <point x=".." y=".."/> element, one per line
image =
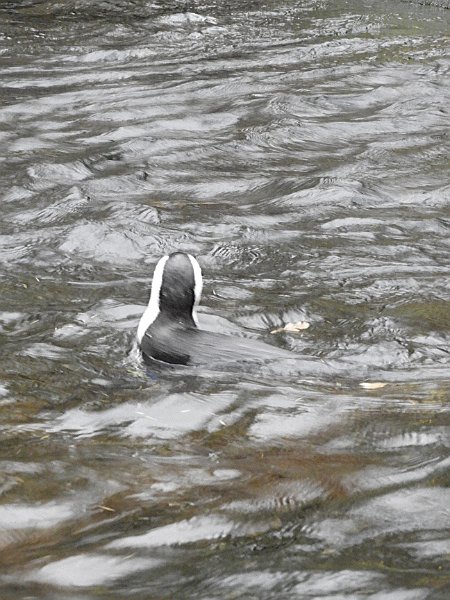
<point x="300" y="151"/>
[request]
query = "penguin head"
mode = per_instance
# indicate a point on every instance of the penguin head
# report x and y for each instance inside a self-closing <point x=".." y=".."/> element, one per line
<point x="176" y="291"/>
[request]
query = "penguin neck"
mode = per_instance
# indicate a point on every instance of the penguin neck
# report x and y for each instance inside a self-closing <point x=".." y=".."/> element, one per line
<point x="168" y="316"/>
<point x="155" y="317"/>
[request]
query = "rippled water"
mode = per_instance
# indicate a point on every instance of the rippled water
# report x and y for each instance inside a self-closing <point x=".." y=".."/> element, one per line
<point x="300" y="151"/>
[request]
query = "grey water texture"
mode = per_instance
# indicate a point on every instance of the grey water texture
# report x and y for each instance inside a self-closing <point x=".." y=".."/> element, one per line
<point x="300" y="150"/>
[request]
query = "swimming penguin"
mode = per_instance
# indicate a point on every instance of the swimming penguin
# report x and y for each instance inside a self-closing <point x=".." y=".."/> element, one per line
<point x="168" y="330"/>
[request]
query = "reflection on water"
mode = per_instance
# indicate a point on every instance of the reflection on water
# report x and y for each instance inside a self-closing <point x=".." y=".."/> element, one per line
<point x="300" y="151"/>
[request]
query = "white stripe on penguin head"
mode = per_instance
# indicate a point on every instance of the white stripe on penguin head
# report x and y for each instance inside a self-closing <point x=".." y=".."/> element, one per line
<point x="198" y="286"/>
<point x="152" y="310"/>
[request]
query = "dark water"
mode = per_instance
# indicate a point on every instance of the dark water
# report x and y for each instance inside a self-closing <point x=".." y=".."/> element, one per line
<point x="300" y="151"/>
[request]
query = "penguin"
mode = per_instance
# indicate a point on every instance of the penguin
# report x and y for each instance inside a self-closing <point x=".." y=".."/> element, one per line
<point x="168" y="330"/>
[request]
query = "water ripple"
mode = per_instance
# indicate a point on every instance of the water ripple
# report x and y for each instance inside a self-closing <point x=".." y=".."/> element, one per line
<point x="300" y="151"/>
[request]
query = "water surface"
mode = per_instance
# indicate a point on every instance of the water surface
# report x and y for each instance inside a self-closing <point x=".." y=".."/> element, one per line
<point x="300" y="151"/>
